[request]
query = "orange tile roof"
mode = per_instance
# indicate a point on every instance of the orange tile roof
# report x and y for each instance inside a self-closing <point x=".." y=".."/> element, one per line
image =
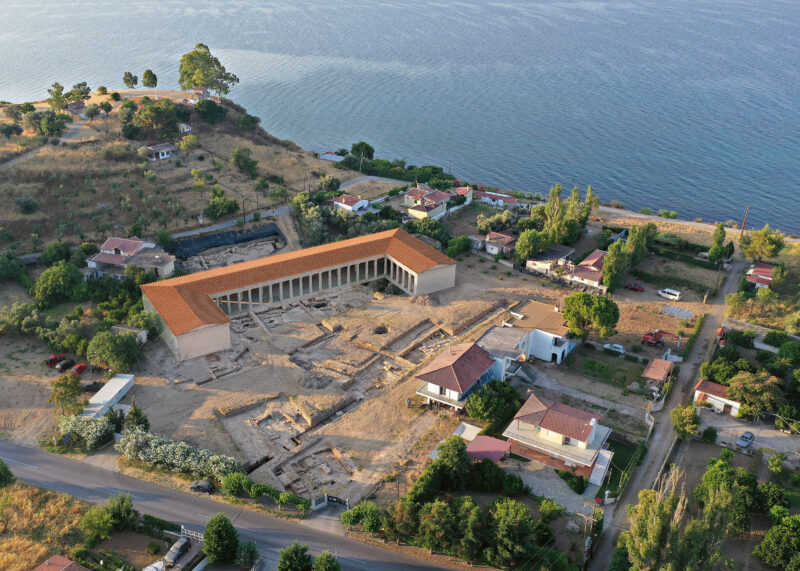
<point x="184" y="303"/>
<point x="658" y="370"/>
<point x="556" y="417"/>
<point x="458" y="367"/>
<point x="712" y="388"/>
<point x="59" y="563"/>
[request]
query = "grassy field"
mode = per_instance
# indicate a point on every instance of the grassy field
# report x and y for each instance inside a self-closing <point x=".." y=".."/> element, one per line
<point x="620" y="461"/>
<point x="664" y="266"/>
<point x="463" y="222"/>
<point x="604" y="368"/>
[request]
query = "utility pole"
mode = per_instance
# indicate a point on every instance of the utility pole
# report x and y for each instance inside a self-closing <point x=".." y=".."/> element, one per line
<point x="361" y="162"/>
<point x="744" y="222"/>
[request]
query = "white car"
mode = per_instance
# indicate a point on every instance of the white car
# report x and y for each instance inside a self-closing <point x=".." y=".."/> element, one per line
<point x="672" y="294"/>
<point x="616" y="347"/>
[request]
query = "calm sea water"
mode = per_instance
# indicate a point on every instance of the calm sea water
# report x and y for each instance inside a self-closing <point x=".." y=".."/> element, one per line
<point x="690" y="105"/>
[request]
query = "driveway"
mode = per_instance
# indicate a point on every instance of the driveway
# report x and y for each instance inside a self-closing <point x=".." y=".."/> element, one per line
<point x="544" y="481"/>
<point x="729" y="428"/>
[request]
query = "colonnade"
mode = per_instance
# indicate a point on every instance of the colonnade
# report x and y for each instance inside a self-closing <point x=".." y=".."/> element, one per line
<point x="261" y="296"/>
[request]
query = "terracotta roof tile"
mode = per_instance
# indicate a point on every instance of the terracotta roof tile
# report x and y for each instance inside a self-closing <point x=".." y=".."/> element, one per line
<point x="502" y="239"/>
<point x="594" y="260"/>
<point x="127" y="246"/>
<point x="556" y="417"/>
<point x="458" y="367"/>
<point x="184" y="303"/>
<point x="712" y="388"/>
<point x="658" y="370"/>
<point x="347" y="200"/>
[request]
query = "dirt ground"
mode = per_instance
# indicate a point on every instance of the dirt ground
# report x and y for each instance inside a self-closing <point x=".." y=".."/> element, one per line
<point x="371" y="189"/>
<point x="696" y="234"/>
<point x="659" y="265"/>
<point x="132" y="547"/>
<point x="462" y="222"/>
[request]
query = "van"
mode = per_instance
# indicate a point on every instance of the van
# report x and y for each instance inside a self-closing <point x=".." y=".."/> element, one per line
<point x="670" y="294"/>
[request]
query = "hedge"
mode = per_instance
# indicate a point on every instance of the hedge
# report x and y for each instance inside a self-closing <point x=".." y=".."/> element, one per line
<point x="693" y="337"/>
<point x="678" y="242"/>
<point x="776" y="338"/>
<point x="175" y="456"/>
<point x="89" y="433"/>
<point x="158" y="523"/>
<point x="673" y="281"/>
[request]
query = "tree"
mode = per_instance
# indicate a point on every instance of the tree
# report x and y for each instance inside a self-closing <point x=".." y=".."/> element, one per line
<point x="55" y="252"/>
<point x="554" y="216"/>
<point x="10" y="129"/>
<point x="92" y="110"/>
<point x="164" y="238"/>
<point x="106" y="107"/>
<point x="6" y="477"/>
<point x="210" y="112"/>
<point x="158" y="118"/>
<point x="590" y="204"/>
<point x="453" y="455"/>
<point x="115" y="352"/>
<point x="246" y="554"/>
<point x="11" y="267"/>
<point x="295" y="557"/>
<point x="57" y="100"/>
<point x="473" y="530"/>
<point x="187" y="143"/>
<point x="123" y="515"/>
<point x="136" y="418"/>
<point x="79" y="92"/>
<point x="653" y="523"/>
<point x="781" y="544"/>
<point x="758" y="392"/>
<point x="584" y="312"/>
<point x="402" y="519"/>
<point x="97" y="523"/>
<point x="129" y="80"/>
<point x="514" y="533"/>
<point x="329" y="183"/>
<point x="56" y="284"/>
<point x="717" y="249"/>
<point x="242" y="159"/>
<point x="492" y="401"/>
<point x="529" y="243"/>
<point x="13" y="112"/>
<point x="636" y="246"/>
<point x="615" y="265"/>
<point x="47" y="123"/>
<point x="149" y="79"/>
<point x="326" y="562"/>
<point x="437" y="529"/>
<point x="764" y="243"/>
<point x="219" y="205"/>
<point x="362" y="150"/>
<point x="221" y="539"/>
<point x="790" y="350"/>
<point x="685" y="421"/>
<point x="769" y="495"/>
<point x="775" y="462"/>
<point x="198" y="68"/>
<point x="64" y="393"/>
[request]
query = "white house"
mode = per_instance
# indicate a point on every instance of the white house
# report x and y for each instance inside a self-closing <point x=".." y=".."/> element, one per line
<point x="504" y="344"/>
<point x="350" y="203"/>
<point x="117" y="253"/>
<point x="546" y="332"/>
<point x="547" y="261"/>
<point x="716" y="396"/>
<point x="560" y="436"/>
<point x="454" y="374"/>
<point x="498" y="200"/>
<point x="184" y="128"/>
<point x="760" y="275"/>
<point x="499" y="243"/>
<point x="161" y="151"/>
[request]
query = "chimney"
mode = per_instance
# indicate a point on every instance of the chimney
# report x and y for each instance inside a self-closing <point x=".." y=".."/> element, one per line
<point x="593" y="422"/>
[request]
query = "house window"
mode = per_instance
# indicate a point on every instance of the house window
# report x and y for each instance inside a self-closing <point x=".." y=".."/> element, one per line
<point x="442" y="391"/>
<point x="567" y="440"/>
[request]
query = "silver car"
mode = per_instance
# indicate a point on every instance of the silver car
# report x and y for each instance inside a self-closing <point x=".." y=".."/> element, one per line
<point x="745" y="440"/>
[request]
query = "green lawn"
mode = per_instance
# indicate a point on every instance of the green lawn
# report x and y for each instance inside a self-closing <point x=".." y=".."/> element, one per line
<point x="59" y="311"/>
<point x="622" y="457"/>
<point x="792" y="490"/>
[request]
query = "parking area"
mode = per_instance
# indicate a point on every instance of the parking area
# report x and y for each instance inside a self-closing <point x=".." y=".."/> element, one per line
<point x="730" y="428"/>
<point x="544" y="482"/>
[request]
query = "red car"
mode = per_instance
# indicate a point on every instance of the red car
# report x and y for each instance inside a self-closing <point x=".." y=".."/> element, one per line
<point x="634" y="287"/>
<point x="78" y="369"/>
<point x="54" y="360"/>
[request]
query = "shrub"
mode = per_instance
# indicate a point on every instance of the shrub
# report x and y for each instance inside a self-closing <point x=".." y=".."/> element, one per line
<point x="88" y="433"/>
<point x="153" y="548"/>
<point x="6" y="477"/>
<point x="158" y="523"/>
<point x="741" y="338"/>
<point x="549" y="510"/>
<point x="236" y="484"/>
<point x="246" y="553"/>
<point x="115" y="96"/>
<point x="210" y="112"/>
<point x="247" y="122"/>
<point x="575" y="482"/>
<point x="776" y="338"/>
<point x="27" y="204"/>
<point x="636" y="348"/>
<point x="97" y="523"/>
<point x="709" y="435"/>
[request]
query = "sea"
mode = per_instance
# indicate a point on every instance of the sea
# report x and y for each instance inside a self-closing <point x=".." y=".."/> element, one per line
<point x="684" y="105"/>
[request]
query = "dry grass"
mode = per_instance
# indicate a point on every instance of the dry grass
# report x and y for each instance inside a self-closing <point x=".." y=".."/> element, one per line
<point x="47" y="518"/>
<point x="20" y="554"/>
<point x="371" y="189"/>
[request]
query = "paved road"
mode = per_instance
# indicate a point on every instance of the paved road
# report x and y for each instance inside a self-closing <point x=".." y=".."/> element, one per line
<point x="271" y="534"/>
<point x="378" y="178"/>
<point x="230" y="223"/>
<point x="663" y="435"/>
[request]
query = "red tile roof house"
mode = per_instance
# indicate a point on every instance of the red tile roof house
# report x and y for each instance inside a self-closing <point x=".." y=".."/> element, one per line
<point x="497" y="243"/>
<point x="196" y="309"/>
<point x="59" y="563"/>
<point x="715" y="396"/>
<point x="350" y="203"/>
<point x="589" y="271"/>
<point x="657" y="372"/>
<point x="501" y="200"/>
<point x="454" y="374"/>
<point x="561" y="436"/>
<point x="760" y="275"/>
<point x="118" y="253"/>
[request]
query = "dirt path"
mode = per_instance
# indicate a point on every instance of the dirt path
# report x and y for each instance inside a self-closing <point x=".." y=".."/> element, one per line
<point x="73" y="132"/>
<point x="663" y="436"/>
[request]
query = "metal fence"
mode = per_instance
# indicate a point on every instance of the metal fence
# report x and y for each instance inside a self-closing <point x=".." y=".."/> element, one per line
<point x="187" y="248"/>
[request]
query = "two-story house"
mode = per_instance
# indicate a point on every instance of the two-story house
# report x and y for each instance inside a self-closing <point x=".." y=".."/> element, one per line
<point x="504" y="345"/>
<point x="118" y="253"/>
<point x="454" y="374"/>
<point x="546" y="331"/>
<point x="561" y="436"/>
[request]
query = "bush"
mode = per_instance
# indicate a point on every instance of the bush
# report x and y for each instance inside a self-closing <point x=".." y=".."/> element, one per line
<point x="247" y="552"/>
<point x="575" y="482"/>
<point x="709" y="435"/>
<point x="741" y="338"/>
<point x="6" y="477"/>
<point x="636" y="348"/>
<point x="115" y="96"/>
<point x="776" y="338"/>
<point x="236" y="484"/>
<point x="158" y="523"/>
<point x="153" y="548"/>
<point x="97" y="523"/>
<point x="88" y="433"/>
<point x="27" y="204"/>
<point x="247" y="122"/>
<point x="549" y="510"/>
<point x="210" y="112"/>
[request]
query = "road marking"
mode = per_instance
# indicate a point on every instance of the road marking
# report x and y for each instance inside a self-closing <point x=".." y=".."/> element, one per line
<point x="16" y="462"/>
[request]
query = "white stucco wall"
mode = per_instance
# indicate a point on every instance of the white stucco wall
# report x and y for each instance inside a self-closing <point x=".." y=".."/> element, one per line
<point x="436" y="279"/>
<point x="203" y="340"/>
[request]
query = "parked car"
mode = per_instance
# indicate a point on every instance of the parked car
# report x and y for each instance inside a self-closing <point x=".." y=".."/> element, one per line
<point x="53" y="360"/>
<point x="178" y="548"/>
<point x="204" y="486"/>
<point x="78" y="369"/>
<point x="634" y="287"/>
<point x="616" y="348"/>
<point x="745" y="440"/>
<point x="672" y="294"/>
<point x="64" y="365"/>
<point x="92" y="386"/>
